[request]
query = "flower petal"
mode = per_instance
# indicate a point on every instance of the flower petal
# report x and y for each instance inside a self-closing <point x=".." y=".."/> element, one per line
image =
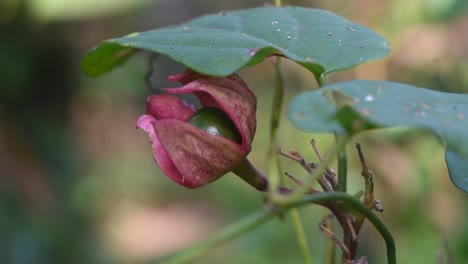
<point x="199" y="157"/>
<point x="160" y="156"/>
<point x="230" y="94"/>
<point x="168" y="106"/>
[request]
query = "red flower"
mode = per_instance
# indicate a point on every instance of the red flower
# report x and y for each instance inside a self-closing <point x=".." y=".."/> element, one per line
<point x="187" y="154"/>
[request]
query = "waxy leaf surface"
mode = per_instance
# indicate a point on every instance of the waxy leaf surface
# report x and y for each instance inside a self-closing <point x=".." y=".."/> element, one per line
<point x="354" y="106"/>
<point x="221" y="44"/>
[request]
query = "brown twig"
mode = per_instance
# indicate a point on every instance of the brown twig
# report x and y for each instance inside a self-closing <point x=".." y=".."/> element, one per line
<point x="289" y="155"/>
<point x="309" y="167"/>
<point x="329" y="174"/>
<point x="334" y="238"/>
<point x="317" y="152"/>
<point x="294" y="179"/>
<point x="350" y="223"/>
<point x="368" y="175"/>
<point x="329" y="183"/>
<point x="331" y="245"/>
<point x="299" y="182"/>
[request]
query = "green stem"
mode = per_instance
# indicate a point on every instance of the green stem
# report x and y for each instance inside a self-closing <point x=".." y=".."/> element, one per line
<point x="246" y="171"/>
<point x="321" y="80"/>
<point x="267" y="213"/>
<point x="239" y="228"/>
<point x="341" y="155"/>
<point x="342" y="167"/>
<point x="363" y="209"/>
<point x="300" y="234"/>
<point x="274" y="165"/>
<point x="278" y="3"/>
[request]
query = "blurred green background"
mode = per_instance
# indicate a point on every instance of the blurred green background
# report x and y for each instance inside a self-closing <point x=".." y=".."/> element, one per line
<point x="77" y="180"/>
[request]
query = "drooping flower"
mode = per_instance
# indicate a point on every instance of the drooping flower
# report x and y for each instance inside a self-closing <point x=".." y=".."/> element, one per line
<point x="192" y="156"/>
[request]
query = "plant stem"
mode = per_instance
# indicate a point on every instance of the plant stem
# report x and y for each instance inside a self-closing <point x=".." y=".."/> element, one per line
<point x="341" y="155"/>
<point x="331" y="246"/>
<point x="246" y="171"/>
<point x="282" y="199"/>
<point x="300" y="234"/>
<point x="274" y="164"/>
<point x="342" y="167"/>
<point x="363" y="209"/>
<point x="267" y="213"/>
<point x="278" y="3"/>
<point x="227" y="234"/>
<point x="342" y="176"/>
<point x="321" y="80"/>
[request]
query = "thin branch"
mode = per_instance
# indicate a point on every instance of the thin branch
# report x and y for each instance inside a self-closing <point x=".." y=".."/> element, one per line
<point x="274" y="163"/>
<point x="229" y="233"/>
<point x="300" y="233"/>
<point x="309" y="167"/>
<point x="267" y="213"/>
<point x="331" y="245"/>
<point x="350" y="224"/>
<point x="288" y="155"/>
<point x="329" y="173"/>
<point x="334" y="238"/>
<point x="364" y="210"/>
<point x="317" y="152"/>
<point x="299" y="182"/>
<point x="368" y="175"/>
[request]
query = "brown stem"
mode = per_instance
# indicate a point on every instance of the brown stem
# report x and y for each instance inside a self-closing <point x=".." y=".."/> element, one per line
<point x="353" y="236"/>
<point x="328" y="182"/>
<point x="333" y="237"/>
<point x="309" y="167"/>
<point x="246" y="171"/>
<point x="369" y="199"/>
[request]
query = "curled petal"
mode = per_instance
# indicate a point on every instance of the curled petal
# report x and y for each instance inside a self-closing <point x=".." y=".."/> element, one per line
<point x="197" y="158"/>
<point x="168" y="106"/>
<point x="187" y="154"/>
<point x="231" y="94"/>
<point x="160" y="155"/>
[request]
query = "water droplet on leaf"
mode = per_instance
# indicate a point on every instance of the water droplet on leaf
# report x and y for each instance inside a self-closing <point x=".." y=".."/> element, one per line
<point x="369" y="98"/>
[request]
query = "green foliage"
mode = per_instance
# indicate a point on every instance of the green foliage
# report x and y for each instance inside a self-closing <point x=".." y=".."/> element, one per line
<point x="223" y="43"/>
<point x="363" y="105"/>
<point x="75" y="175"/>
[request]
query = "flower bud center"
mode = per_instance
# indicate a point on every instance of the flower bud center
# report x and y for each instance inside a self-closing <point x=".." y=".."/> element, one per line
<point x="215" y="122"/>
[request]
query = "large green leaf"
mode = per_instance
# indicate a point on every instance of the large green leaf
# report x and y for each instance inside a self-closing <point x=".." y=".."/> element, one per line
<point x="354" y="106"/>
<point x="223" y="43"/>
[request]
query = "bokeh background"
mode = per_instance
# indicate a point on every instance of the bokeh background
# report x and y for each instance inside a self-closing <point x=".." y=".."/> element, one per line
<point x="77" y="180"/>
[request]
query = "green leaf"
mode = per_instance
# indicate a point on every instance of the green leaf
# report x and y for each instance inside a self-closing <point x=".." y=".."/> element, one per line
<point x="354" y="106"/>
<point x="458" y="169"/>
<point x="221" y="44"/>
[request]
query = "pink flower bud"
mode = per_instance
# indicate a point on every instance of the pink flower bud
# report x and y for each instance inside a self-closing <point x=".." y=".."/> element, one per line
<point x="187" y="154"/>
